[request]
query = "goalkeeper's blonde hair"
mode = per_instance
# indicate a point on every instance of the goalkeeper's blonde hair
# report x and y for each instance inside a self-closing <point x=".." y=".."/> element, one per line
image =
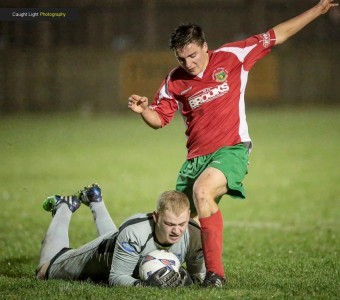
<point x="173" y="201"/>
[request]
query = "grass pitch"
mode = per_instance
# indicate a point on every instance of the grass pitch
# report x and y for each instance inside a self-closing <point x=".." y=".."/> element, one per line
<point x="282" y="242"/>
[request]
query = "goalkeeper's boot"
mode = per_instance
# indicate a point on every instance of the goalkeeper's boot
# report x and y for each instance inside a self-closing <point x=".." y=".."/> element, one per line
<point x="213" y="280"/>
<point x="52" y="203"/>
<point x="89" y="194"/>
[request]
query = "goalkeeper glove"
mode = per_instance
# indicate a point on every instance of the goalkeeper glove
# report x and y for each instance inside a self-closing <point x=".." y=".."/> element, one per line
<point x="185" y="277"/>
<point x="162" y="278"/>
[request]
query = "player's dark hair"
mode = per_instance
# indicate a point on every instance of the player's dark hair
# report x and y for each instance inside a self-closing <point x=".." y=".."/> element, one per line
<point x="186" y="34"/>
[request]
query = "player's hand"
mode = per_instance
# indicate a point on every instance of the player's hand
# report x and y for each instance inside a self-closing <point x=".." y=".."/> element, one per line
<point x="138" y="103"/>
<point x="326" y="5"/>
<point x="185" y="277"/>
<point x="163" y="279"/>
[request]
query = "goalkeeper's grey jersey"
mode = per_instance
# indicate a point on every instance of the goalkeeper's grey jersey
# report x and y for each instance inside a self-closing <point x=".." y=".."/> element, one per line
<point x="135" y="239"/>
<point x="115" y="257"/>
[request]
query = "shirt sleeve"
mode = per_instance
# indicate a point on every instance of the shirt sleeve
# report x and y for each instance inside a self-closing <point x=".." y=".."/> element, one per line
<point x="195" y="258"/>
<point x="250" y="50"/>
<point x="125" y="259"/>
<point x="164" y="103"/>
<point x="264" y="43"/>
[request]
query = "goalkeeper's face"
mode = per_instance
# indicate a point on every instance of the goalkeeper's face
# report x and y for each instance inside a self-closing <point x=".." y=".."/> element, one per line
<point x="169" y="227"/>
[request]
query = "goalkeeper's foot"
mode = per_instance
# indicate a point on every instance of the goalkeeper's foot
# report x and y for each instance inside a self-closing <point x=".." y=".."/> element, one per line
<point x="52" y="203"/>
<point x="213" y="280"/>
<point x="91" y="193"/>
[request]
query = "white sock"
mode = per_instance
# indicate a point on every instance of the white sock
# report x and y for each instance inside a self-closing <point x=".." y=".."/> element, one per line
<point x="102" y="218"/>
<point x="56" y="237"/>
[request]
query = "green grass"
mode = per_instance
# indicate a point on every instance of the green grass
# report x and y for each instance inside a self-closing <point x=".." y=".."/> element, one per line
<point x="282" y="242"/>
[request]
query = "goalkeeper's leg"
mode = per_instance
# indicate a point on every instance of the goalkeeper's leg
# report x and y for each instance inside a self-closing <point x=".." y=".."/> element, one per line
<point x="92" y="197"/>
<point x="56" y="238"/>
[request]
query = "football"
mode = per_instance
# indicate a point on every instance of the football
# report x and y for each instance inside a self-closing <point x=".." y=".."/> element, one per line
<point x="156" y="260"/>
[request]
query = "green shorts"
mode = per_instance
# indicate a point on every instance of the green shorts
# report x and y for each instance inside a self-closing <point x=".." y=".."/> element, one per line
<point x="231" y="161"/>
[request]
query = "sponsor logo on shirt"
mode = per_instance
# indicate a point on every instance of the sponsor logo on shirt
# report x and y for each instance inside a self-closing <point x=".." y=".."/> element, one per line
<point x="207" y="95"/>
<point x="127" y="247"/>
<point x="266" y="39"/>
<point x="220" y="75"/>
<point x="187" y="90"/>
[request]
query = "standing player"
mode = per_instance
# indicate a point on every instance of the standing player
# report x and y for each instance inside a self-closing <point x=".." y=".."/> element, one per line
<point x="115" y="255"/>
<point x="208" y="88"/>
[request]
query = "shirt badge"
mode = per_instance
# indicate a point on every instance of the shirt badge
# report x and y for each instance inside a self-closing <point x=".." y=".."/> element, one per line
<point x="220" y="75"/>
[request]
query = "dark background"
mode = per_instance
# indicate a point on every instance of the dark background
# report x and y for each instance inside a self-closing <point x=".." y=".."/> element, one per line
<point x="116" y="48"/>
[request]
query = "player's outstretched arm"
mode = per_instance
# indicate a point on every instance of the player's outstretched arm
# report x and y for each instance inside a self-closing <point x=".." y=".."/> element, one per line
<point x="287" y="29"/>
<point x="139" y="104"/>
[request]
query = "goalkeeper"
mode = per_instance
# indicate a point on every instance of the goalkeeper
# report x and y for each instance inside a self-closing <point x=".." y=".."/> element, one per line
<point x="114" y="256"/>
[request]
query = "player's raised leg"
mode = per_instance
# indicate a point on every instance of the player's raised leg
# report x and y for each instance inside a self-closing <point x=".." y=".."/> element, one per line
<point x="56" y="237"/>
<point x="92" y="197"/>
<point x="210" y="185"/>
